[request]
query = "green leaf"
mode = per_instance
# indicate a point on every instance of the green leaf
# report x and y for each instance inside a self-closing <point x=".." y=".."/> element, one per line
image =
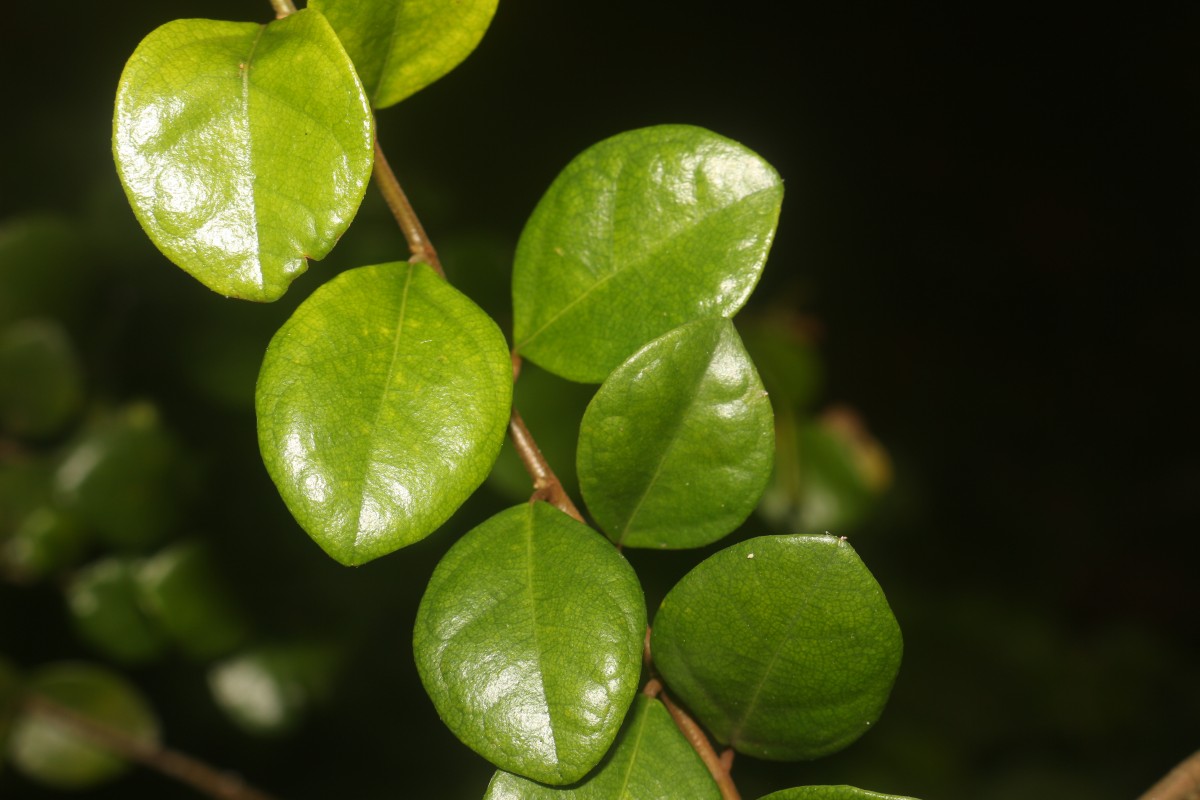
<point x="828" y="472"/>
<point x="41" y="382"/>
<point x="269" y="689"/>
<point x="244" y="149"/>
<point x="381" y="406"/>
<point x="400" y="46"/>
<point x="784" y="647"/>
<point x="529" y="641"/>
<point x="105" y="602"/>
<point x="46" y="541"/>
<point x="639" y="234"/>
<point x="124" y="478"/>
<point x="51" y="753"/>
<point x="676" y="447"/>
<point x="183" y="591"/>
<point x="45" y="270"/>
<point x="10" y="695"/>
<point x="830" y="793"/>
<point x="651" y="760"/>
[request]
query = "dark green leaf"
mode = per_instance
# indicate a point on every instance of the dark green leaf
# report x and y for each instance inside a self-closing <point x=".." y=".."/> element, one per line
<point x="529" y="641"/>
<point x="381" y="406"/>
<point x="41" y="382"/>
<point x="183" y="591"/>
<point x="783" y="646"/>
<point x="400" y="46"/>
<point x="268" y="690"/>
<point x="831" y="793"/>
<point x="828" y="472"/>
<point x="124" y="478"/>
<point x="51" y="753"/>
<point x="650" y="761"/>
<point x="44" y="269"/>
<point x="10" y="690"/>
<point x="639" y="234"/>
<point x="676" y="447"/>
<point x="105" y="602"/>
<point x="46" y="541"/>
<point x="244" y="149"/>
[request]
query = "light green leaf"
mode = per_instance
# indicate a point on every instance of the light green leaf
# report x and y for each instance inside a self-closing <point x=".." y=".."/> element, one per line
<point x="830" y="793"/>
<point x="529" y="641"/>
<point x="676" y="447"/>
<point x="105" y="602"/>
<point x="51" y="753"/>
<point x="639" y="234"/>
<point x="381" y="406"/>
<point x="651" y="760"/>
<point x="400" y="46"/>
<point x="183" y="592"/>
<point x="783" y="646"/>
<point x="244" y="149"/>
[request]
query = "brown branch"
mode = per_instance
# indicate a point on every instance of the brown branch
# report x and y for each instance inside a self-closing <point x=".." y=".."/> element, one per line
<point x="546" y="485"/>
<point x="418" y="241"/>
<point x="1181" y="783"/>
<point x="718" y="766"/>
<point x="183" y="768"/>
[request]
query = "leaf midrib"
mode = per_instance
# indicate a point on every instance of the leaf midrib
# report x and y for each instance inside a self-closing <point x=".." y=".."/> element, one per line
<point x="368" y="458"/>
<point x="646" y="256"/>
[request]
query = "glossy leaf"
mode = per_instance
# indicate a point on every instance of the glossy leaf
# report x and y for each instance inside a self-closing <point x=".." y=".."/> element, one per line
<point x="831" y="793"/>
<point x="529" y="641"/>
<point x="639" y="234"/>
<point x="105" y="602"/>
<point x="784" y="647"/>
<point x="244" y="149"/>
<point x="184" y="593"/>
<point x="268" y="690"/>
<point x="381" y="406"/>
<point x="41" y="381"/>
<point x="651" y="760"/>
<point x="124" y="478"/>
<point x="400" y="46"/>
<point x="50" y="753"/>
<point x="676" y="447"/>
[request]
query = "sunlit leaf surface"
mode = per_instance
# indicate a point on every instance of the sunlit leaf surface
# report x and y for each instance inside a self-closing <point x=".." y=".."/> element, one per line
<point x="649" y="761"/>
<point x="381" y="406"/>
<point x="244" y="149"/>
<point x="529" y="641"/>
<point x="676" y="447"/>
<point x="639" y="234"/>
<point x="400" y="46"/>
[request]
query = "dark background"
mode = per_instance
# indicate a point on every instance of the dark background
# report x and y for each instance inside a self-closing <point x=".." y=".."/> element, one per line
<point x="993" y="218"/>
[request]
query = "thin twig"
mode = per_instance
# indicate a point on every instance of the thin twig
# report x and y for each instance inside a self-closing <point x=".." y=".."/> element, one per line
<point x="283" y="8"/>
<point x="183" y="768"/>
<point x="418" y="242"/>
<point x="546" y="485"/>
<point x="1181" y="783"/>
